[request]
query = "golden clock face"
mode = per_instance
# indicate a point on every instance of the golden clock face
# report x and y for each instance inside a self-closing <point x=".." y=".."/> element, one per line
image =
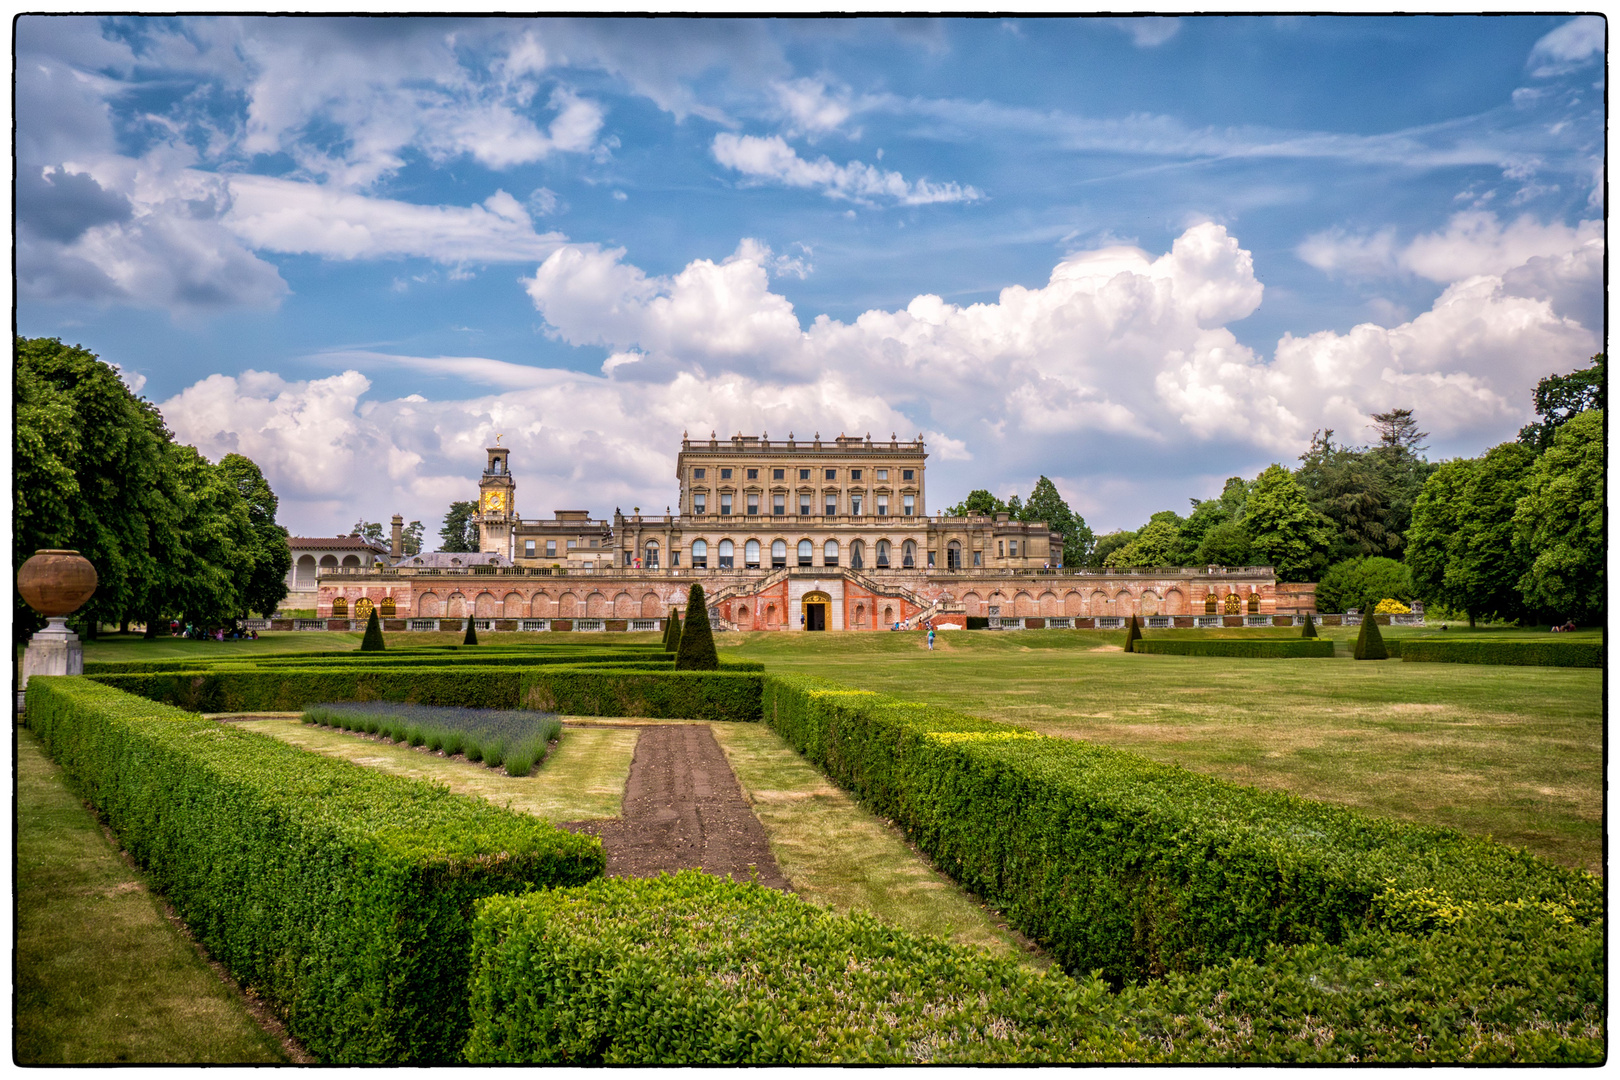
<point x="493" y="502"/>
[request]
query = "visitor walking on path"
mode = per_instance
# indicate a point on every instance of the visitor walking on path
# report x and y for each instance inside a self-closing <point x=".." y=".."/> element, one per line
<point x="930" y="638"/>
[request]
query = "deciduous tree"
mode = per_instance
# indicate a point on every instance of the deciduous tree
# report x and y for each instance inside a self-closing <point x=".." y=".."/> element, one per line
<point x="1283" y="529"/>
<point x="1560" y="398"/>
<point x="266" y="587"/>
<point x="1558" y="523"/>
<point x="1462" y="552"/>
<point x="1045" y="504"/>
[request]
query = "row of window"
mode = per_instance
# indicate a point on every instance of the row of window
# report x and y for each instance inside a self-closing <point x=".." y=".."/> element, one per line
<point x="726" y="554"/>
<point x="857" y="504"/>
<point x="702" y="472"/>
<point x="530" y="548"/>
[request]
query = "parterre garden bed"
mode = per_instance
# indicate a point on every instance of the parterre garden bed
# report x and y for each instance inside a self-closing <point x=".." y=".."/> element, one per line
<point x="1227" y="923"/>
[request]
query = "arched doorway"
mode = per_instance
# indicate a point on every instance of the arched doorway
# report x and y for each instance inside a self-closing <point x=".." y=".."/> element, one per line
<point x="815" y="608"/>
<point x="953" y="556"/>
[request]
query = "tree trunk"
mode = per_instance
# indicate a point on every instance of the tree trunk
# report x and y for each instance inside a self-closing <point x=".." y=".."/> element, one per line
<point x="123" y="625"/>
<point x="1470" y="620"/>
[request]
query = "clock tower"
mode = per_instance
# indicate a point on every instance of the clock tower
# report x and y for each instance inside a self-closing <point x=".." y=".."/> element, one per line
<point x="496" y="512"/>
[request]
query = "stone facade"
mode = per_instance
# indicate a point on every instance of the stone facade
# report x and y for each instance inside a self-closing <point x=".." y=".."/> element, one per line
<point x="786" y="535"/>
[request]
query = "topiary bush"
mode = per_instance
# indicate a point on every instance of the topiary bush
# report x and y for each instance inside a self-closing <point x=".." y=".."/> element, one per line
<point x="471" y="637"/>
<point x="1133" y="634"/>
<point x="696" y="650"/>
<point x="1587" y="654"/>
<point x="1258" y="648"/>
<point x="1370" y="643"/>
<point x="373" y="641"/>
<point x="1310" y="626"/>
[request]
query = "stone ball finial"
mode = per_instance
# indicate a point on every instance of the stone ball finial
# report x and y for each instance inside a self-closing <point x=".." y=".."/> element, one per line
<point x="56" y="581"/>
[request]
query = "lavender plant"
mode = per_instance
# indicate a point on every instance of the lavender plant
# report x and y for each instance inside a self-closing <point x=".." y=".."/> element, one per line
<point x="517" y="739"/>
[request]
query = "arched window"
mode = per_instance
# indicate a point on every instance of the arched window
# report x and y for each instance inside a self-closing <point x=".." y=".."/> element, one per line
<point x="1209" y="605"/>
<point x="1254" y="603"/>
<point x="751" y="554"/>
<point x="650" y="555"/>
<point x="953" y="556"/>
<point x="351" y="560"/>
<point x="806" y="553"/>
<point x="883" y="555"/>
<point x="829" y="553"/>
<point x="778" y="552"/>
<point x="386" y="609"/>
<point x="340" y="608"/>
<point x="727" y="552"/>
<point x="1233" y="604"/>
<point x="908" y="555"/>
<point x="857" y="554"/>
<point x="700" y="553"/>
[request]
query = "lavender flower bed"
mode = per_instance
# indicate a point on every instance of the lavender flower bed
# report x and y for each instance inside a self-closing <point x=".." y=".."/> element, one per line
<point x="515" y="738"/>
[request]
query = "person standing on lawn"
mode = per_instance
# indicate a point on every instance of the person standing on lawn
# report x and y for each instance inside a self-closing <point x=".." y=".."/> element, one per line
<point x="930" y="638"/>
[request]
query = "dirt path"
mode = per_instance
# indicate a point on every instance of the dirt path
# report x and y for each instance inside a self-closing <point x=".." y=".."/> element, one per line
<point x="683" y="809"/>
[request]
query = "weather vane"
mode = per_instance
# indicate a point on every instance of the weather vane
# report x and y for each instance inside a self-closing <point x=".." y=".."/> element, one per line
<point x="497" y="438"/>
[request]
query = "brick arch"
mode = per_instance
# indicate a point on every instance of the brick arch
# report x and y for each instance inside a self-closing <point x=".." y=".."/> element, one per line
<point x="1150" y="602"/>
<point x="1099" y="602"/>
<point x="456" y="606"/>
<point x="743" y="615"/>
<point x="771" y="620"/>
<point x="1000" y="601"/>
<point x="652" y="607"/>
<point x="427" y="606"/>
<point x="484" y="607"/>
<point x="888" y="614"/>
<point x="595" y="605"/>
<point x="1175" y="602"/>
<point x="568" y="605"/>
<point x="1074" y="603"/>
<point x="1049" y="603"/>
<point x="624" y="606"/>
<point x="860" y="617"/>
<point x="1124" y="603"/>
<point x="973" y="604"/>
<point x="1024" y="604"/>
<point x="543" y="605"/>
<point x="513" y="606"/>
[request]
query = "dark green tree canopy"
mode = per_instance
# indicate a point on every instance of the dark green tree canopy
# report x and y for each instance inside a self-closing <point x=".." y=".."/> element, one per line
<point x="1361" y="583"/>
<point x="1462" y="552"/>
<point x="979" y="501"/>
<point x="1560" y="398"/>
<point x="272" y="558"/>
<point x="1284" y="530"/>
<point x="460" y="531"/>
<point x="1045" y="504"/>
<point x="1156" y="545"/>
<point x="1558" y="524"/>
<point x="411" y="538"/>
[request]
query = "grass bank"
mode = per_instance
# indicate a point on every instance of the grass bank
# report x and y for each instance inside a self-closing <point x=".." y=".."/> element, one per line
<point x="1513" y="753"/>
<point x="78" y="905"/>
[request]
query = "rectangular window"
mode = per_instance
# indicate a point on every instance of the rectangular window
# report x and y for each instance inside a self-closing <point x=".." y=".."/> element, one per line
<point x="778" y="474"/>
<point x="832" y="474"/>
<point x="753" y="474"/>
<point x="908" y="474"/>
<point x="698" y="474"/>
<point x="883" y="506"/>
<point x="930" y="560"/>
<point x="528" y="549"/>
<point x="779" y="503"/>
<point x="753" y="502"/>
<point x="572" y="544"/>
<point x="909" y="505"/>
<point x="725" y="474"/>
<point x="675" y="557"/>
<point x="804" y="506"/>
<point x="725" y="505"/>
<point x="1001" y="548"/>
<point x="854" y="474"/>
<point x="804" y="474"/>
<point x="551" y="547"/>
<point x="1012" y="549"/>
<point x="855" y="505"/>
<point x="832" y="505"/>
<point x="883" y="474"/>
<point x="976" y="561"/>
<point x="699" y="503"/>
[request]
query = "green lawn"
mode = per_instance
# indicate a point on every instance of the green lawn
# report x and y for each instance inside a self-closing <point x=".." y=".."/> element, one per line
<point x="1510" y="752"/>
<point x="101" y="975"/>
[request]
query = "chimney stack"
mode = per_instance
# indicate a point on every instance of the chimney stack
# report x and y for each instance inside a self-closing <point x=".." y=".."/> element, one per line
<point x="396" y="548"/>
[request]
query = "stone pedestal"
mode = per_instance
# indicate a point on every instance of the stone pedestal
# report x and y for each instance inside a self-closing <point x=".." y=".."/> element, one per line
<point x="55" y="650"/>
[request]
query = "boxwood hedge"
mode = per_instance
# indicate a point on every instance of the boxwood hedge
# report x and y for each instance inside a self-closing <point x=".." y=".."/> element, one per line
<point x="1527" y="653"/>
<point x="690" y="969"/>
<point x="1124" y="865"/>
<point x="724" y="695"/>
<point x="341" y="895"/>
<point x="1261" y="648"/>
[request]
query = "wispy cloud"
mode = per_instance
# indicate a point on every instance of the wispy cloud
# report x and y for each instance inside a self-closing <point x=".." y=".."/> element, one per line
<point x="772" y="159"/>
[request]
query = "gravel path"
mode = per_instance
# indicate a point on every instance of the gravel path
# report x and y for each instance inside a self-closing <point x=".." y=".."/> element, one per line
<point x="683" y="809"/>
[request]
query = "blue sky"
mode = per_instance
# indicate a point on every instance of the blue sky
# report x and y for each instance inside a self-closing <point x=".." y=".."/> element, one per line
<point x="1135" y="255"/>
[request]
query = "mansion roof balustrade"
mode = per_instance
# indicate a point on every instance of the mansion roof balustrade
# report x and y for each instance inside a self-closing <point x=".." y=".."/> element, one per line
<point x="753" y="572"/>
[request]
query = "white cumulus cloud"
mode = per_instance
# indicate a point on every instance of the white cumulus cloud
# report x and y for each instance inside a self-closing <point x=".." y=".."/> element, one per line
<point x="1568" y="47"/>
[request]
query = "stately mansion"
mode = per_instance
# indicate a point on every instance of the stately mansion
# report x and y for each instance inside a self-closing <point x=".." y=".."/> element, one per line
<point x="783" y="535"/>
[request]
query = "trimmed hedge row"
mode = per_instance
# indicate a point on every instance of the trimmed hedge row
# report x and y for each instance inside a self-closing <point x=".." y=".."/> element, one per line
<point x="690" y="969"/>
<point x="1262" y="648"/>
<point x="388" y="658"/>
<point x="1588" y="654"/>
<point x="1118" y="863"/>
<point x="342" y="895"/>
<point x="664" y="695"/>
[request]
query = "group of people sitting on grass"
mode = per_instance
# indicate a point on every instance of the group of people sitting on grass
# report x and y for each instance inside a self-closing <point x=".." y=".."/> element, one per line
<point x="1564" y="629"/>
<point x="218" y="633"/>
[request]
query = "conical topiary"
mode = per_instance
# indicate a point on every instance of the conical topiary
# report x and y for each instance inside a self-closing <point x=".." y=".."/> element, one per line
<point x="672" y="630"/>
<point x="1133" y="635"/>
<point x="675" y="632"/>
<point x="373" y="641"/>
<point x="696" y="651"/>
<point x="471" y="637"/>
<point x="1310" y="626"/>
<point x="1370" y="643"/>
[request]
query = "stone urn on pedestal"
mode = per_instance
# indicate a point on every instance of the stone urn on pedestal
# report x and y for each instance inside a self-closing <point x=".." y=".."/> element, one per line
<point x="55" y="583"/>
